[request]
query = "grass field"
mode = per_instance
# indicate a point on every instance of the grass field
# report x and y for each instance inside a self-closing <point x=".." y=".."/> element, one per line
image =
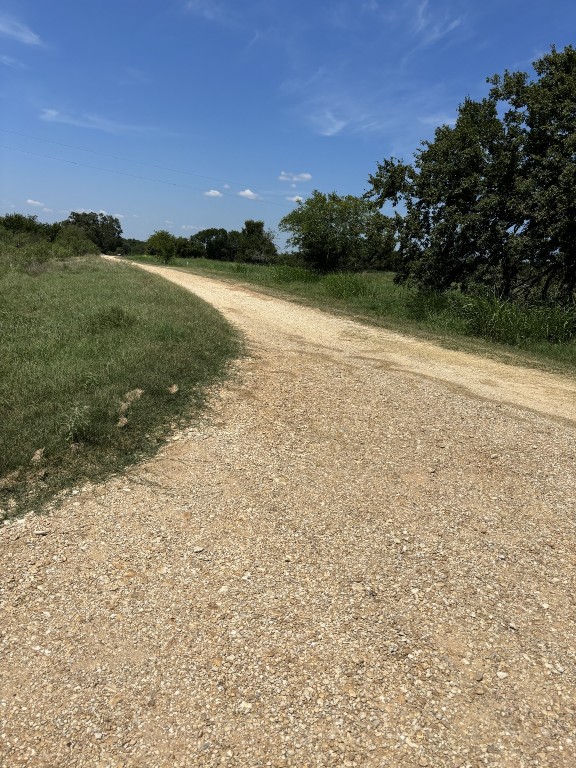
<point x="98" y="361"/>
<point x="537" y="337"/>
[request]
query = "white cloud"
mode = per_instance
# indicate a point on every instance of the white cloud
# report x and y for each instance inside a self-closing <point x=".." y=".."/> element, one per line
<point x="97" y="122"/>
<point x="14" y="29"/>
<point x="247" y="193"/>
<point x="118" y="215"/>
<point x="295" y="199"/>
<point x="188" y="227"/>
<point x="35" y="202"/>
<point x="294" y="176"/>
<point x="212" y="193"/>
<point x="421" y="20"/>
<point x="226" y="186"/>
<point x="47" y="210"/>
<point x="167" y="221"/>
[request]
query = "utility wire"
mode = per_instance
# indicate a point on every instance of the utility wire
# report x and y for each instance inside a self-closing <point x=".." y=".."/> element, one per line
<point x="124" y="173"/>
<point x="119" y="157"/>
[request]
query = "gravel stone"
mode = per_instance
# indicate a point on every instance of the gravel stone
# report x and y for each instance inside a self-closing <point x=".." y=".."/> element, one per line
<point x="288" y="584"/>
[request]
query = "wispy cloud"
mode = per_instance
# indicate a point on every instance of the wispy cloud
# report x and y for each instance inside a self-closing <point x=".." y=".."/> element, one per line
<point x="8" y="61"/>
<point x="213" y="193"/>
<point x="95" y="122"/>
<point x="327" y="123"/>
<point x="211" y="10"/>
<point x="440" y="118"/>
<point x="36" y="203"/>
<point x="249" y="195"/>
<point x="295" y="199"/>
<point x="10" y="27"/>
<point x="188" y="227"/>
<point x="433" y="25"/>
<point x="294" y="176"/>
<point x="325" y="101"/>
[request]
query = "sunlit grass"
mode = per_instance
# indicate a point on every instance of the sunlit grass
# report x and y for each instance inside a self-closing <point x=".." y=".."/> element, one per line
<point x="97" y="362"/>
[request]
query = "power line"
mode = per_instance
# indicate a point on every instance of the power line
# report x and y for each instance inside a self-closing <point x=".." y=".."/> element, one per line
<point x="123" y="159"/>
<point x="122" y="173"/>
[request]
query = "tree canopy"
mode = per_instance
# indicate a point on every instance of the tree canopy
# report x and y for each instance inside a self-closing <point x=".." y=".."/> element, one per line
<point x="334" y="233"/>
<point x="491" y="201"/>
<point x="103" y="230"/>
<point x="162" y="244"/>
<point x="255" y="244"/>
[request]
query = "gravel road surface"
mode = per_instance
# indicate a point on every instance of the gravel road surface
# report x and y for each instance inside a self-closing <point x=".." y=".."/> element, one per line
<point x="362" y="555"/>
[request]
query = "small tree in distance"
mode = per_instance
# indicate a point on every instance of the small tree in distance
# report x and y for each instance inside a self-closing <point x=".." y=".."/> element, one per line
<point x="256" y="245"/>
<point x="162" y="244"/>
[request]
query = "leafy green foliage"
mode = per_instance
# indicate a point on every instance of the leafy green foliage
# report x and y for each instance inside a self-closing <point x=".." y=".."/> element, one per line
<point x="28" y="245"/>
<point x="252" y="244"/>
<point x="216" y="243"/>
<point x="339" y="233"/>
<point x="255" y="245"/>
<point x="103" y="230"/>
<point x="162" y="244"/>
<point x="132" y="245"/>
<point x="492" y="200"/>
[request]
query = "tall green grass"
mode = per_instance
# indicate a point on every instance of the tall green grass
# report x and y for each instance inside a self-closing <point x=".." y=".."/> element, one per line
<point x="544" y="335"/>
<point x="97" y="362"/>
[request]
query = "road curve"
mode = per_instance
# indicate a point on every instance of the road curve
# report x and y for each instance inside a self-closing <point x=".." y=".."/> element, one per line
<point x="363" y="555"/>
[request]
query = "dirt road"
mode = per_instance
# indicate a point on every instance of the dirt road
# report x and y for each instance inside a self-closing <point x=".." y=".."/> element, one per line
<point x="362" y="556"/>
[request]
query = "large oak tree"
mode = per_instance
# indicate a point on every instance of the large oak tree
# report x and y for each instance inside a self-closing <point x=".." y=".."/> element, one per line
<point x="491" y="201"/>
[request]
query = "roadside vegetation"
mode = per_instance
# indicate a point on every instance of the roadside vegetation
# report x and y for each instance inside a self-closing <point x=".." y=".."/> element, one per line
<point x="98" y="363"/>
<point x="544" y="337"/>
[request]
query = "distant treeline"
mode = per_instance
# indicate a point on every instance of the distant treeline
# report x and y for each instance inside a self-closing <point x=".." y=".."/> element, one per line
<point x="252" y="244"/>
<point x="330" y="233"/>
<point x="29" y="243"/>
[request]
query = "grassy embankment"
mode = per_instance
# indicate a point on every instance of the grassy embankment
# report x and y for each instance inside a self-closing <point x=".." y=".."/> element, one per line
<point x="98" y="361"/>
<point x="538" y="337"/>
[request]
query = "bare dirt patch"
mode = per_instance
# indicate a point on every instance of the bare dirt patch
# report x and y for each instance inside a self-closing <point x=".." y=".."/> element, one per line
<point x="364" y="555"/>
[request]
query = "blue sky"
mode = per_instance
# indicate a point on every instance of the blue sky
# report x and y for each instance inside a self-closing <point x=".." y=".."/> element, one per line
<point x="187" y="114"/>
